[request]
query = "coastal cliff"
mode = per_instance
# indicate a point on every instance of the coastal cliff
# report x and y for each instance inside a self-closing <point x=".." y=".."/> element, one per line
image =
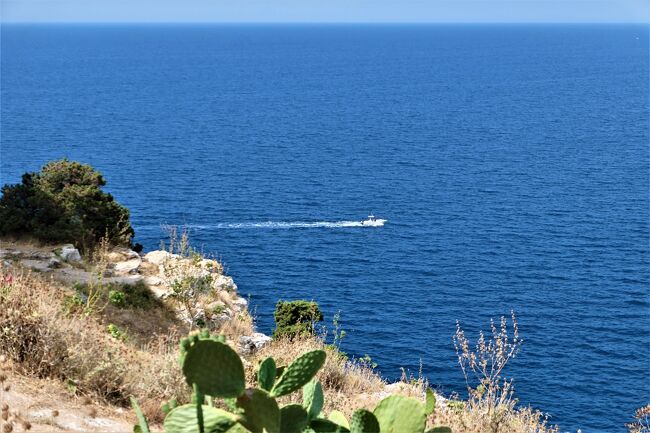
<point x="95" y="332"/>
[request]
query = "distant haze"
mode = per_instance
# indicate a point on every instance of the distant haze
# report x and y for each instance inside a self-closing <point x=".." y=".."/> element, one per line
<point x="322" y="11"/>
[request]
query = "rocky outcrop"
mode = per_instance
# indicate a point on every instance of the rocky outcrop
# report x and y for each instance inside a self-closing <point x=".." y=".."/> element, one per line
<point x="159" y="257"/>
<point x="129" y="266"/>
<point x="159" y="270"/>
<point x="250" y="344"/>
<point x="69" y="253"/>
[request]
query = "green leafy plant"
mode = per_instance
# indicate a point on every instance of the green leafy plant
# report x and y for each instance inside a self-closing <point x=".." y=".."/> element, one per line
<point x="137" y="295"/>
<point x="73" y="304"/>
<point x="117" y="298"/>
<point x="116" y="332"/>
<point x="64" y="202"/>
<point x="215" y="371"/>
<point x="189" y="276"/>
<point x="296" y="318"/>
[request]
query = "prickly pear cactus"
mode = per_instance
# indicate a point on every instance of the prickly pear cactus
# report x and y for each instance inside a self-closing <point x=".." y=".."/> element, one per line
<point x="266" y="374"/>
<point x="215" y="368"/>
<point x="293" y="419"/>
<point x="183" y="419"/>
<point x="167" y="407"/>
<point x="399" y="414"/>
<point x="142" y="426"/>
<point x="364" y="421"/>
<point x="440" y="429"/>
<point x="299" y="372"/>
<point x="312" y="398"/>
<point x="187" y="343"/>
<point x="430" y="405"/>
<point x="260" y="412"/>
<point x="320" y="425"/>
<point x="338" y="418"/>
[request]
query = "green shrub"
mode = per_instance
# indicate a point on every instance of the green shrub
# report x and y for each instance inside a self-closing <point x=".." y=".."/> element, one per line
<point x="296" y="318"/>
<point x="64" y="202"/>
<point x="73" y="304"/>
<point x="138" y="295"/>
<point x="123" y="295"/>
<point x="116" y="332"/>
<point x="117" y="298"/>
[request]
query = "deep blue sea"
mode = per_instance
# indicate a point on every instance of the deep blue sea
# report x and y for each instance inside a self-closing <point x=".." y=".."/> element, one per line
<point x="512" y="164"/>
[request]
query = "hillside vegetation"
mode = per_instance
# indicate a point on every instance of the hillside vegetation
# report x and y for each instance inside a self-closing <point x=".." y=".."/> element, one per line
<point x="106" y="328"/>
<point x="111" y="352"/>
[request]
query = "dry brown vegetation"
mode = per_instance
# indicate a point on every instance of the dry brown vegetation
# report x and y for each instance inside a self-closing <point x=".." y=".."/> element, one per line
<point x="42" y="338"/>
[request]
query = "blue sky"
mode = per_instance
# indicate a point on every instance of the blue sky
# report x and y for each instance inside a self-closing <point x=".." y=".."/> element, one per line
<point x="325" y="10"/>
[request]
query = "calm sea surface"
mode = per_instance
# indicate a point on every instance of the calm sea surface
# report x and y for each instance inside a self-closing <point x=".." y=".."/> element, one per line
<point x="510" y="161"/>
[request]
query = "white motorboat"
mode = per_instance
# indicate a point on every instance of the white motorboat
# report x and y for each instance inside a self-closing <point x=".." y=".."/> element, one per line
<point x="373" y="221"/>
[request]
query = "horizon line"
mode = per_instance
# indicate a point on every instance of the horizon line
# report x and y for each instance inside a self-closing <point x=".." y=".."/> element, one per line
<point x="2" y="22"/>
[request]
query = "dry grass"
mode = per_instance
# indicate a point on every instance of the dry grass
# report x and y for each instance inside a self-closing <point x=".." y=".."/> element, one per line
<point x="347" y="386"/>
<point x="44" y="341"/>
<point x="641" y="422"/>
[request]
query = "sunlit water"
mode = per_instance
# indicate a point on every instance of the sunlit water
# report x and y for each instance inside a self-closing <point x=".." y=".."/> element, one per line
<point x="511" y="163"/>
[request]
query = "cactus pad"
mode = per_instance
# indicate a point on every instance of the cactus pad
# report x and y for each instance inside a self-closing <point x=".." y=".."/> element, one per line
<point x="293" y="419"/>
<point x="215" y="368"/>
<point x="338" y="418"/>
<point x="299" y="372"/>
<point x="440" y="429"/>
<point x="142" y="421"/>
<point x="260" y="411"/>
<point x="183" y="420"/>
<point x="364" y="421"/>
<point x="312" y="398"/>
<point x="320" y="425"/>
<point x="266" y="374"/>
<point x="430" y="406"/>
<point x="399" y="414"/>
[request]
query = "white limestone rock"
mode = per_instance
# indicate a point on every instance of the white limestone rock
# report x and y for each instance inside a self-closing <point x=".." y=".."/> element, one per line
<point x="250" y="344"/>
<point x="70" y="254"/>
<point x="121" y="255"/>
<point x="224" y="282"/>
<point x="240" y="304"/>
<point x="37" y="265"/>
<point x="159" y="257"/>
<point x="129" y="266"/>
<point x="152" y="280"/>
<point x="54" y="263"/>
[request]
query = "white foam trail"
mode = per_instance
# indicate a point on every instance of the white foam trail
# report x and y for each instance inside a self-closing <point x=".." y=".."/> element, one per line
<point x="276" y="225"/>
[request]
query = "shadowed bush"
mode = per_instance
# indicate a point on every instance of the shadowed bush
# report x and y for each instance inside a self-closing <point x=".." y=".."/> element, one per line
<point x="296" y="318"/>
<point x="64" y="202"/>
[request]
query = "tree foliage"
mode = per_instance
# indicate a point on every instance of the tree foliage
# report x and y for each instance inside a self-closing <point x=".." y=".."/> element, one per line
<point x="296" y="318"/>
<point x="64" y="202"/>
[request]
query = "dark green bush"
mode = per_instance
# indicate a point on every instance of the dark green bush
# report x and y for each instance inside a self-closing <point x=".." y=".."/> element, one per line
<point x="296" y="318"/>
<point x="64" y="202"/>
<point x="123" y="295"/>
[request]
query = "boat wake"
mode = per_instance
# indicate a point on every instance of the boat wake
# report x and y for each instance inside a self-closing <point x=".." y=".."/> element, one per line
<point x="277" y="225"/>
